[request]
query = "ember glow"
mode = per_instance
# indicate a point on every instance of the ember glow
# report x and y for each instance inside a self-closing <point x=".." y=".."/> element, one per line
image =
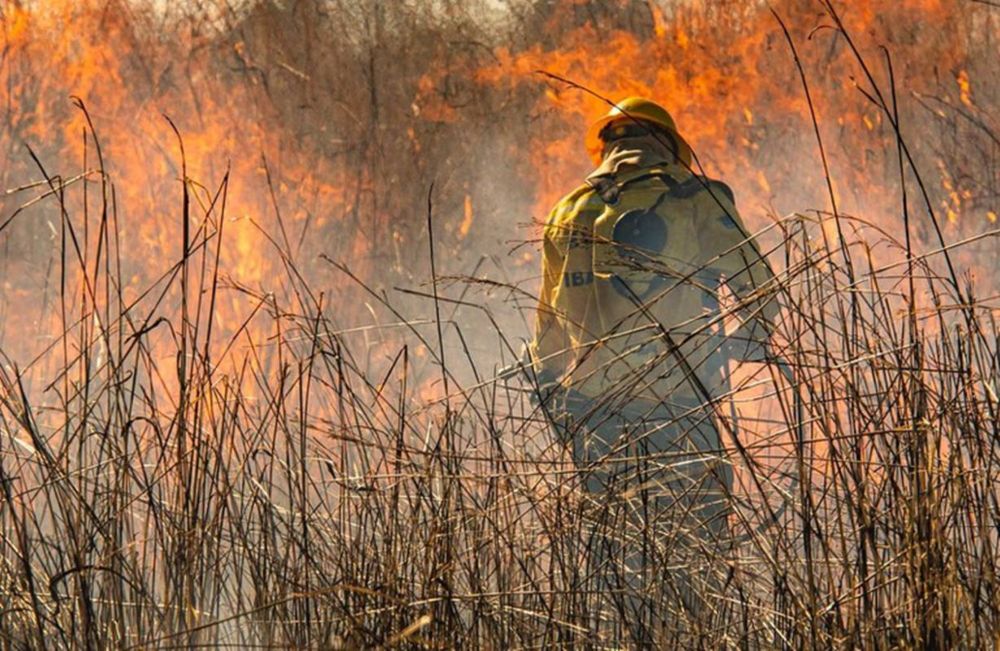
<point x="134" y="81"/>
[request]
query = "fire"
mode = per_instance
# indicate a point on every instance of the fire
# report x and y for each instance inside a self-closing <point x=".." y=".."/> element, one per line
<point x="279" y="139"/>
<point x="729" y="81"/>
<point x="463" y="228"/>
<point x="131" y="84"/>
<point x="310" y="172"/>
<point x="965" y="88"/>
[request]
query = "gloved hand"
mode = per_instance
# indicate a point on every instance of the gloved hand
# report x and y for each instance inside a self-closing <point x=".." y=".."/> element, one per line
<point x="524" y="367"/>
<point x="511" y="371"/>
<point x="547" y="390"/>
<point x="543" y="387"/>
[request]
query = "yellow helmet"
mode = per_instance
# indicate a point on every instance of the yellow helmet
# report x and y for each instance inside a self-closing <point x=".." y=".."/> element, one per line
<point x="636" y="108"/>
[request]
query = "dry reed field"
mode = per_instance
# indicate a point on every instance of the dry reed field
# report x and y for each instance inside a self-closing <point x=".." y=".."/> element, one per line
<point x="261" y="264"/>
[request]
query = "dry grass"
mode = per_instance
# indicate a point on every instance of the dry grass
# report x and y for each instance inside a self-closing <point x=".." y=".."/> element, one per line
<point x="171" y="483"/>
<point x="283" y="496"/>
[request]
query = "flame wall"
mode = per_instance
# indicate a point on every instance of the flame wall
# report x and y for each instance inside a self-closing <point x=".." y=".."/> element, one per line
<point x="334" y="123"/>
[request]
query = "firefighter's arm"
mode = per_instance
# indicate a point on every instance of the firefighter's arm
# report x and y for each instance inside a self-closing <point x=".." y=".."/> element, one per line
<point x="550" y="346"/>
<point x="732" y="255"/>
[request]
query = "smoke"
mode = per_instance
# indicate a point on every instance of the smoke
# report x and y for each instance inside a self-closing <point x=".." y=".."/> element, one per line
<point x="334" y="122"/>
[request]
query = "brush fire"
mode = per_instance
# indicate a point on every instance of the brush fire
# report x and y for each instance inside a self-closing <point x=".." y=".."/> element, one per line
<point x="653" y="324"/>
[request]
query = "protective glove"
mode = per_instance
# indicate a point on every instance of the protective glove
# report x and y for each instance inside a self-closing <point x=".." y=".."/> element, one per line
<point x="548" y="391"/>
<point x="524" y="368"/>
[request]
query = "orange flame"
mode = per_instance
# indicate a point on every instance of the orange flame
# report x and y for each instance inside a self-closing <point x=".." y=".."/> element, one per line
<point x="727" y="76"/>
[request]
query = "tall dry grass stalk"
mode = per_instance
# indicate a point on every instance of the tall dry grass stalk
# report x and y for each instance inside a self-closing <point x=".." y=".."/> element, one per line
<point x="169" y="483"/>
<point x="264" y="490"/>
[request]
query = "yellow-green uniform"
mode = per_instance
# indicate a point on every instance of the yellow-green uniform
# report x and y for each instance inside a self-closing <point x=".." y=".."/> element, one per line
<point x="631" y="267"/>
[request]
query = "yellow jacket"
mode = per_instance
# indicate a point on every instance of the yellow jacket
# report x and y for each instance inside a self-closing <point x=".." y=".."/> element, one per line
<point x="630" y="313"/>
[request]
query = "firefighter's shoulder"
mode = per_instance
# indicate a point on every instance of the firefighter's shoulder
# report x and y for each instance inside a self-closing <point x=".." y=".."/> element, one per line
<point x="713" y="189"/>
<point x="580" y="199"/>
<point x="718" y="214"/>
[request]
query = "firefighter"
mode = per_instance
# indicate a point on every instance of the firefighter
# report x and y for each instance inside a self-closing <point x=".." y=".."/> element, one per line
<point x="628" y="351"/>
